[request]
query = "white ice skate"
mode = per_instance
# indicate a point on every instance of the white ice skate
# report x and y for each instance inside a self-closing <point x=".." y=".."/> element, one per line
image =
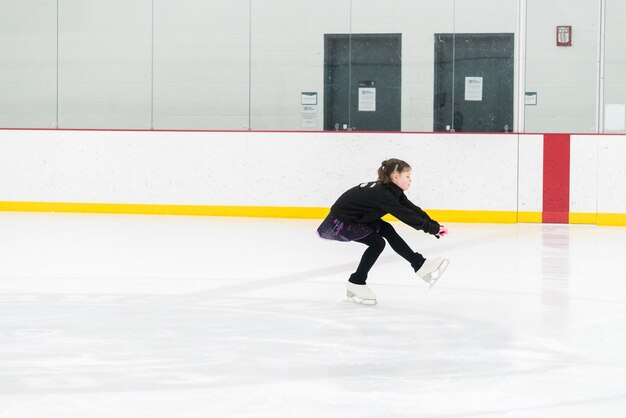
<point x="362" y="293"/>
<point x="432" y="269"/>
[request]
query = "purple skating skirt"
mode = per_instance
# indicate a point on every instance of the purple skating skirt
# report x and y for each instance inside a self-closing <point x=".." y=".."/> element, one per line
<point x="335" y="229"/>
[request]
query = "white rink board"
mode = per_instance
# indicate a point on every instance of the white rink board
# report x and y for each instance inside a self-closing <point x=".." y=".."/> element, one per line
<point x="530" y="173"/>
<point x="611" y="174"/>
<point x="121" y="167"/>
<point x="465" y="172"/>
<point x="451" y="172"/>
<point x="584" y="173"/>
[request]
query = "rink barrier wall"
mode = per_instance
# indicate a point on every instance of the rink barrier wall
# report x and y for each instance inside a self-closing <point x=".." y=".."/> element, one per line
<point x="604" y="219"/>
<point x="237" y="211"/>
<point x="487" y="178"/>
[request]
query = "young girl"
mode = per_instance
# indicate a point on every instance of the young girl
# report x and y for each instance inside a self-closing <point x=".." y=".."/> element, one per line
<point x="356" y="216"/>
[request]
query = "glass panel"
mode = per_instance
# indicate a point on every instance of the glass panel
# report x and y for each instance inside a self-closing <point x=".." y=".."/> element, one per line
<point x="28" y="74"/>
<point x="392" y="83"/>
<point x="483" y="66"/>
<point x="615" y="67"/>
<point x="563" y="79"/>
<point x="201" y="64"/>
<point x="105" y="64"/>
<point x="289" y="65"/>
<point x="287" y="61"/>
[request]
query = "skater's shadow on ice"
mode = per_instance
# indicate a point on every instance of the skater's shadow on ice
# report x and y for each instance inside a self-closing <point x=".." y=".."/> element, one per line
<point x="259" y="284"/>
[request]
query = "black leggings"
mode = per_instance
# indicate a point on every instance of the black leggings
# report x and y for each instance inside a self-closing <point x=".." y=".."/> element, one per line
<point x="376" y="245"/>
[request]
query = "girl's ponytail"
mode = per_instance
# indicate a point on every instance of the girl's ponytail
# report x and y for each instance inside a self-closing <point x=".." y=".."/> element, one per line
<point x="390" y="166"/>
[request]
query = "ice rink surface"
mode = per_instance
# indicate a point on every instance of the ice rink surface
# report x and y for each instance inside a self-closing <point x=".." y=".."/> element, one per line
<point x="162" y="317"/>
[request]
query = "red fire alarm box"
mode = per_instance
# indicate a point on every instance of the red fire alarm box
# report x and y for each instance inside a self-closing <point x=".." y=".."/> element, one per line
<point x="563" y="36"/>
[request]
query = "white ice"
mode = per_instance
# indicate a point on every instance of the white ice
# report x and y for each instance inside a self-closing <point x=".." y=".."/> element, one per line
<point x="154" y="316"/>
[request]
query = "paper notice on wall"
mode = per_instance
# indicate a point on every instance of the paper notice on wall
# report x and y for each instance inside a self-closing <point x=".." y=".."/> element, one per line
<point x="367" y="99"/>
<point x="530" y="98"/>
<point x="308" y="98"/>
<point x="309" y="116"/>
<point x="473" y="89"/>
<point x="615" y="117"/>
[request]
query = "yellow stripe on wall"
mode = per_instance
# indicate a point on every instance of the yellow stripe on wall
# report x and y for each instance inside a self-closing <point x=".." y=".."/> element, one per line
<point x="583" y="218"/>
<point x="189" y="210"/>
<point x="530" y="217"/>
<point x="243" y="211"/>
<point x="467" y="216"/>
<point x="478" y="216"/>
<point x="612" y="219"/>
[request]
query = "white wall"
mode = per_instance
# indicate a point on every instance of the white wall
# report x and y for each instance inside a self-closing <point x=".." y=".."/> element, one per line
<point x="287" y="58"/>
<point x="463" y="172"/>
<point x="122" y="167"/>
<point x="611" y="174"/>
<point x="28" y="58"/>
<point x="450" y="171"/>
<point x="565" y="78"/>
<point x="467" y="172"/>
<point x="596" y="175"/>
<point x="530" y="177"/>
<point x="584" y="166"/>
<point x="615" y="59"/>
<point x="201" y="64"/>
<point x="105" y="63"/>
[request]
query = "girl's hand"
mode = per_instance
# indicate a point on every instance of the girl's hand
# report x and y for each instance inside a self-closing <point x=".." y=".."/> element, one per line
<point x="443" y="231"/>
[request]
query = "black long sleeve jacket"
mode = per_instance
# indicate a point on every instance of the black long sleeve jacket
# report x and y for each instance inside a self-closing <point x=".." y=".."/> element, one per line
<point x="368" y="202"/>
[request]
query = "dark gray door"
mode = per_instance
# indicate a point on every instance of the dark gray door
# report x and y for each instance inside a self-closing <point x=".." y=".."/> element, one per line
<point x="362" y="83"/>
<point x="473" y="82"/>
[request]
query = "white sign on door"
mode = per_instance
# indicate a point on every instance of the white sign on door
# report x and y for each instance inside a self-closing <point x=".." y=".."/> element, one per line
<point x="473" y="89"/>
<point x="367" y="99"/>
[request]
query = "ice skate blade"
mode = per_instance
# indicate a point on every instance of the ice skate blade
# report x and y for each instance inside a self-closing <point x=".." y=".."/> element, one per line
<point x="434" y="276"/>
<point x="357" y="301"/>
<point x="353" y="298"/>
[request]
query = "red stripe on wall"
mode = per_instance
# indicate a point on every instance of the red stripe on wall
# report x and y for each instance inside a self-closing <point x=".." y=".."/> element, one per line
<point x="556" y="160"/>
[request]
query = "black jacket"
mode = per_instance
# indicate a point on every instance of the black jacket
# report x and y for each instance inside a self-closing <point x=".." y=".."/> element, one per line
<point x="368" y="202"/>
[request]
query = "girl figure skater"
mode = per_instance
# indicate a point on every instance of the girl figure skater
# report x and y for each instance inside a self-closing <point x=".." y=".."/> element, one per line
<point x="356" y="216"/>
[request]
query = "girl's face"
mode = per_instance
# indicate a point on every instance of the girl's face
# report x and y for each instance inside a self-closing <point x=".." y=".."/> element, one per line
<point x="402" y="179"/>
